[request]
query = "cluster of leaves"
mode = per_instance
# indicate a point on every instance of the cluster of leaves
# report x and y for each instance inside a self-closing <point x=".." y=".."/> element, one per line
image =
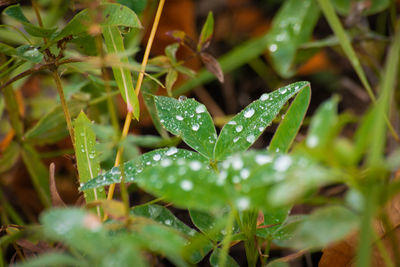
<point x="232" y="195"/>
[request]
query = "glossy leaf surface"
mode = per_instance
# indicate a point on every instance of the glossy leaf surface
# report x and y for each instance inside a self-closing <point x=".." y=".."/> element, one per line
<point x="245" y="128"/>
<point x="190" y="120"/>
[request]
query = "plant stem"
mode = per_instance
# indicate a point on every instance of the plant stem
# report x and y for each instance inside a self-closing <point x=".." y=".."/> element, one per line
<point x="227" y="239"/>
<point x="128" y="118"/>
<point x="67" y="115"/>
<point x="249" y="224"/>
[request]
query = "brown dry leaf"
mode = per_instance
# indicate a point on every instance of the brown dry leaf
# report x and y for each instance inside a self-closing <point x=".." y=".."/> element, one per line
<point x="343" y="254"/>
<point x="56" y="200"/>
<point x="212" y="66"/>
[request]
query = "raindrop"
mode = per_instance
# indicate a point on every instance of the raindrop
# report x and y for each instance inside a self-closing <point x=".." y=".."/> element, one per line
<point x="182" y="98"/>
<point x="166" y="162"/>
<point x="282" y="163"/>
<point x="179" y="117"/>
<point x="173" y="150"/>
<point x="200" y="109"/>
<point x="195" y="127"/>
<point x="237" y="163"/>
<point x="236" y="139"/>
<point x="245" y="173"/>
<point x="250" y="138"/>
<point x="243" y="203"/>
<point x="312" y="141"/>
<point x="283" y="91"/>
<point x="249" y="113"/>
<point x="195" y="165"/>
<point x="157" y="157"/>
<point x="263" y="159"/>
<point x="232" y="123"/>
<point x="186" y="185"/>
<point x="273" y="47"/>
<point x="264" y="97"/>
<point x="239" y="128"/>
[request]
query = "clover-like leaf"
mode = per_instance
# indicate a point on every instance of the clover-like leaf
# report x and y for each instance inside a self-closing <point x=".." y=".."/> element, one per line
<point x="244" y="129"/>
<point x="190" y="120"/>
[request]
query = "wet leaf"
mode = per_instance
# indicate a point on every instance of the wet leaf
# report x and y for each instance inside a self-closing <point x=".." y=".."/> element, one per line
<point x="111" y="15"/>
<point x="15" y="12"/>
<point x="135" y="167"/>
<point x="87" y="158"/>
<point x="273" y="220"/>
<point x="291" y="27"/>
<point x="290" y="125"/>
<point x="206" y="33"/>
<point x="30" y="53"/>
<point x="214" y="258"/>
<point x="244" y="129"/>
<point x="115" y="46"/>
<point x="190" y="120"/>
<point x="212" y="66"/>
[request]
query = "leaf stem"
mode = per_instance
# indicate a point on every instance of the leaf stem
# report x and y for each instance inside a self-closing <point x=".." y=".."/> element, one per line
<point x="128" y="118"/>
<point x="227" y="239"/>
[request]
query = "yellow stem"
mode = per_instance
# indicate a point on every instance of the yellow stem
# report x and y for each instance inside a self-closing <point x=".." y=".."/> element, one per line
<point x="128" y="118"/>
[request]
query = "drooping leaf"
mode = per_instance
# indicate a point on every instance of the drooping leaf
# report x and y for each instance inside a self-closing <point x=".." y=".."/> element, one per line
<point x="15" y="12"/>
<point x="162" y="215"/>
<point x="111" y="15"/>
<point x="244" y="129"/>
<point x="29" y="53"/>
<point x="291" y="27"/>
<point x="206" y="33"/>
<point x="212" y="66"/>
<point x="135" y="167"/>
<point x="214" y="259"/>
<point x="190" y="120"/>
<point x="372" y="7"/>
<point x="324" y="226"/>
<point x="322" y="124"/>
<point x="52" y="127"/>
<point x="9" y="157"/>
<point x="290" y="125"/>
<point x="86" y="157"/>
<point x="115" y="45"/>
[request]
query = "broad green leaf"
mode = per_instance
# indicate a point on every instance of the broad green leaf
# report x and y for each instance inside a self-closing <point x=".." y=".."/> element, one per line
<point x="87" y="158"/>
<point x="292" y="26"/>
<point x="324" y="226"/>
<point x="185" y="182"/>
<point x="244" y="129"/>
<point x="323" y="124"/>
<point x="274" y="219"/>
<point x="136" y="5"/>
<point x="111" y="15"/>
<point x="206" y="33"/>
<point x="30" y="53"/>
<point x="372" y="7"/>
<point x="290" y="125"/>
<point x="9" y="156"/>
<point x="214" y="259"/>
<point x="38" y="172"/>
<point x="151" y="108"/>
<point x="53" y="259"/>
<point x="7" y="50"/>
<point x="15" y="12"/>
<point x="190" y="120"/>
<point x="282" y="236"/>
<point x="115" y="45"/>
<point x="162" y="215"/>
<point x="52" y="127"/>
<point x="135" y="167"/>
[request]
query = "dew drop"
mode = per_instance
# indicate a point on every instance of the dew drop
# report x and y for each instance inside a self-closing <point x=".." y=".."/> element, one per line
<point x="195" y="127"/>
<point x="182" y="98"/>
<point x="237" y="163"/>
<point x="264" y="97"/>
<point x="263" y="159"/>
<point x="179" y="117"/>
<point x="245" y="173"/>
<point x="157" y="157"/>
<point x="232" y="123"/>
<point x="282" y="163"/>
<point x="243" y="203"/>
<point x="273" y="47"/>
<point x="173" y="150"/>
<point x="236" y="139"/>
<point x="249" y="113"/>
<point x="312" y="141"/>
<point x="239" y="128"/>
<point x="166" y="162"/>
<point x="186" y="185"/>
<point x="195" y="165"/>
<point x="283" y="91"/>
<point x="200" y="109"/>
<point x="250" y="138"/>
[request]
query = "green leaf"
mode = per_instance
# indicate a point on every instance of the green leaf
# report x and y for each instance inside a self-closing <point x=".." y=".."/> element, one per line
<point x="115" y="45"/>
<point x="214" y="259"/>
<point x="111" y="15"/>
<point x="163" y="216"/>
<point x="274" y="219"/>
<point x="52" y="127"/>
<point x="151" y="108"/>
<point x="53" y="259"/>
<point x="282" y="236"/>
<point x="206" y="33"/>
<point x="323" y="124"/>
<point x="86" y="157"/>
<point x="170" y="52"/>
<point x="375" y="6"/>
<point x="278" y="264"/>
<point x="170" y="80"/>
<point x="136" y="5"/>
<point x="15" y="12"/>
<point x="9" y="157"/>
<point x="324" y="226"/>
<point x="244" y="129"/>
<point x="135" y="167"/>
<point x="7" y="50"/>
<point x="290" y="125"/>
<point x="184" y="182"/>
<point x="30" y="53"/>
<point x="38" y="172"/>
<point x="291" y="27"/>
<point x="190" y="120"/>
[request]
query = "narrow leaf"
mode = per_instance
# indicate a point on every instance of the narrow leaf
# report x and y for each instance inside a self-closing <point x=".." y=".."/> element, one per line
<point x="115" y="45"/>
<point x="206" y="33"/>
<point x="212" y="66"/>
<point x="170" y="80"/>
<point x="86" y="157"/>
<point x="9" y="157"/>
<point x="323" y="124"/>
<point x="291" y="27"/>
<point x="244" y="129"/>
<point x="111" y="15"/>
<point x="135" y="167"/>
<point x="190" y="120"/>
<point x="290" y="125"/>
